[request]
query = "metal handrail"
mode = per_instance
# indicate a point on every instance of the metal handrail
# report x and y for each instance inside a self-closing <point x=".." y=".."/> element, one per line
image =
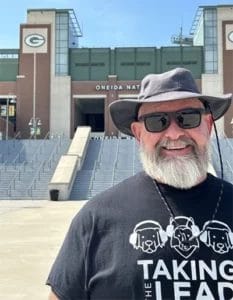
<point x="18" y="174"/>
<point x="35" y="178"/>
<point x="13" y="180"/>
<point x="229" y="165"/>
<point x="93" y="175"/>
<point x="33" y="159"/>
<point x="4" y="165"/>
<point x="41" y="167"/>
<point x="95" y="166"/>
<point x="12" y="183"/>
<point x="56" y="147"/>
<point x="228" y="142"/>
<point x="115" y="161"/>
<point x="17" y="156"/>
<point x="18" y="134"/>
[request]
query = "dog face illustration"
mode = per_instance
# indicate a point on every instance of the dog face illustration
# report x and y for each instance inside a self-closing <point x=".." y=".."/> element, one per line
<point x="218" y="236"/>
<point x="148" y="236"/>
<point x="181" y="238"/>
<point x="183" y="232"/>
<point x="149" y="239"/>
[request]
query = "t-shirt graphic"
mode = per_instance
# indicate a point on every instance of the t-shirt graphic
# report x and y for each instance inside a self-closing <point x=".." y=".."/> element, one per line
<point x="218" y="236"/>
<point x="148" y="236"/>
<point x="183" y="235"/>
<point x="200" y="263"/>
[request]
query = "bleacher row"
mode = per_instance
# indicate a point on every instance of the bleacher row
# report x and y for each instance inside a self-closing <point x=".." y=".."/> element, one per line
<point x="226" y="148"/>
<point x="108" y="161"/>
<point x="26" y="166"/>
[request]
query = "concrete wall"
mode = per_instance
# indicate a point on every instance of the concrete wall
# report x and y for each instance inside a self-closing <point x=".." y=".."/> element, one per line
<point x="60" y="88"/>
<point x="212" y="85"/>
<point x="225" y="23"/>
<point x="70" y="163"/>
<point x="79" y="144"/>
<point x="45" y="17"/>
<point x="60" y="103"/>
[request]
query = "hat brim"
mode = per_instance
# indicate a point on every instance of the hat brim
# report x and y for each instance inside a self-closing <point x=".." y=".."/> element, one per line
<point x="124" y="111"/>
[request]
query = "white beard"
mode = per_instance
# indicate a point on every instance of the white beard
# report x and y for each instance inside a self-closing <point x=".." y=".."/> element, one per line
<point x="181" y="172"/>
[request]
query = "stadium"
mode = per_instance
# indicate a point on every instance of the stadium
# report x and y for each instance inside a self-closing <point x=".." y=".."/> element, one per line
<point x="57" y="138"/>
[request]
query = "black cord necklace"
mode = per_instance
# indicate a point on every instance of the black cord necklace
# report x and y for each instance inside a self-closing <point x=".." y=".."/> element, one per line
<point x="170" y="210"/>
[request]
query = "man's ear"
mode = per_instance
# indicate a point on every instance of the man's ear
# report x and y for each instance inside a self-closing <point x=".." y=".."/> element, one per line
<point x="208" y="117"/>
<point x="209" y="121"/>
<point x="136" y="130"/>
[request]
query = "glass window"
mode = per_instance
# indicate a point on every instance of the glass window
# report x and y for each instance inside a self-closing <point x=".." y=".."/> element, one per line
<point x="63" y="18"/>
<point x="63" y="59"/>
<point x="63" y="44"/>
<point x="208" y="65"/>
<point x="63" y="35"/>
<point x="62" y="26"/>
<point x="62" y="41"/>
<point x="210" y="14"/>
<point x="215" y="56"/>
<point x="210" y="40"/>
<point x="210" y="32"/>
<point x="209" y="56"/>
<point x="63" y="69"/>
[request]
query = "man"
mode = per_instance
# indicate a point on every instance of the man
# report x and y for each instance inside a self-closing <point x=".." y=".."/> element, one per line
<point x="167" y="232"/>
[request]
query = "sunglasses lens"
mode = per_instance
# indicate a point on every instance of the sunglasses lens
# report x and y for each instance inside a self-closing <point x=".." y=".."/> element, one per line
<point x="188" y="119"/>
<point x="157" y="122"/>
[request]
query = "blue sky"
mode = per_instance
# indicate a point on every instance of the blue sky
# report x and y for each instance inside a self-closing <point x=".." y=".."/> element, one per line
<point x="110" y="23"/>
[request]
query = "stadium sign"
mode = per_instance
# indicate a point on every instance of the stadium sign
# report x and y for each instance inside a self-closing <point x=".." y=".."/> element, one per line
<point x="230" y="36"/>
<point x="117" y="87"/>
<point x="34" y="40"/>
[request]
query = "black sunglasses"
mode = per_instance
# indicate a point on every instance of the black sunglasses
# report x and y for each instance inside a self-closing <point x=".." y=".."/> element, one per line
<point x="186" y="118"/>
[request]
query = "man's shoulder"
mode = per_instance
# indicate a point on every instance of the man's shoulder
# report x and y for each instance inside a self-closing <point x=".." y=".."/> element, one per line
<point x="116" y="200"/>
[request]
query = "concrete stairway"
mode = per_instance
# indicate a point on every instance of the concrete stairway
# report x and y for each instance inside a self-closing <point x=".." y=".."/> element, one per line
<point x="109" y="161"/>
<point x="26" y="167"/>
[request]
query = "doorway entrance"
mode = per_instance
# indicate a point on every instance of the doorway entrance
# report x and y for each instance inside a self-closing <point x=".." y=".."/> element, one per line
<point x="90" y="112"/>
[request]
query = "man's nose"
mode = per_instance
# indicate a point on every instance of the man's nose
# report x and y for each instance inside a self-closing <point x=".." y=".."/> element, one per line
<point x="174" y="131"/>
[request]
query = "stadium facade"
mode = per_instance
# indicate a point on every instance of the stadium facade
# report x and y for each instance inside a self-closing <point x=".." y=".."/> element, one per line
<point x="50" y="84"/>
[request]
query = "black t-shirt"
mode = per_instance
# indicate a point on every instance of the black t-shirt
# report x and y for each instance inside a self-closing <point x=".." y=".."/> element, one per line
<point x="124" y="244"/>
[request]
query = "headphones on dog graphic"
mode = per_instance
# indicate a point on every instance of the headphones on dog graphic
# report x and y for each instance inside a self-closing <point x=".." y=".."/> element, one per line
<point x="146" y="225"/>
<point x="177" y="222"/>
<point x="215" y="225"/>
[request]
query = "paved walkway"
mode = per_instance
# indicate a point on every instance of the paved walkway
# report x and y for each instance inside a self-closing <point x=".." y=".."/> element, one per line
<point x="31" y="233"/>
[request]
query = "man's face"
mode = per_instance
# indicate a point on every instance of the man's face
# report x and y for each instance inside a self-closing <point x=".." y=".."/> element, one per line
<point x="173" y="147"/>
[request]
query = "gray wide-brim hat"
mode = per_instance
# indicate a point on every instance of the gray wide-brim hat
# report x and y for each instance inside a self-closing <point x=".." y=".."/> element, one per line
<point x="169" y="86"/>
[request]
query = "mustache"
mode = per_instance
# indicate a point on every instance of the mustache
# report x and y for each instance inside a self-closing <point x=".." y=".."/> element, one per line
<point x="179" y="143"/>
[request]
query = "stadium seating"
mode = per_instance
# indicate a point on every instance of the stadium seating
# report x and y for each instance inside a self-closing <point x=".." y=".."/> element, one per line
<point x="226" y="148"/>
<point x="26" y="166"/>
<point x="109" y="161"/>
